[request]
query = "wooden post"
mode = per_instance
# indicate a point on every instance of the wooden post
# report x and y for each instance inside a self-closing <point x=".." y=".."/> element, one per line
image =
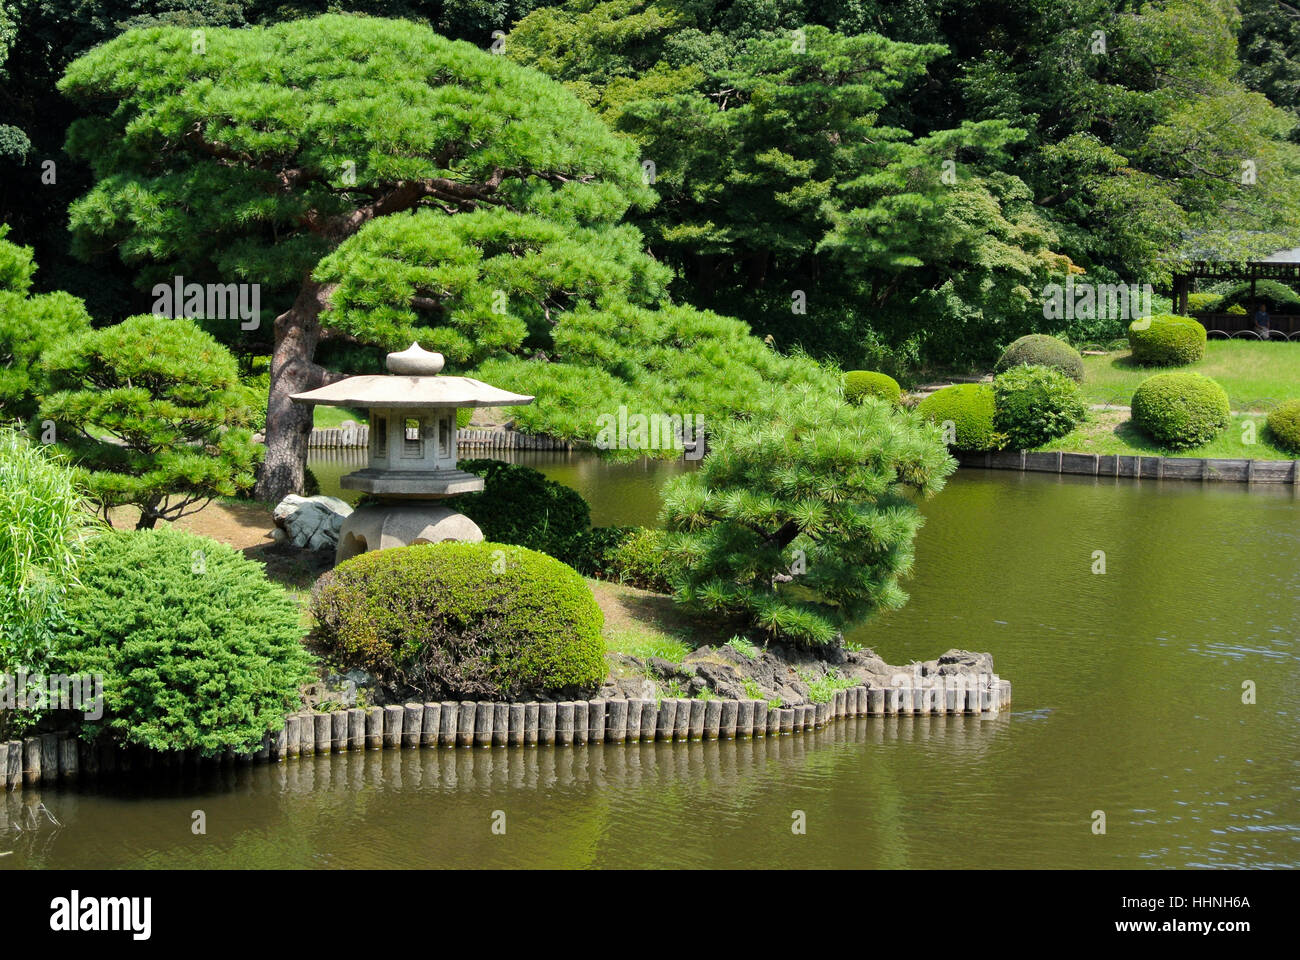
<point x="500" y="724"/>
<point x="412" y="721"/>
<point x="375" y="728"/>
<point x="617" y="720"/>
<point x="357" y="728"/>
<point x="394" y="715"/>
<point x="429" y="725"/>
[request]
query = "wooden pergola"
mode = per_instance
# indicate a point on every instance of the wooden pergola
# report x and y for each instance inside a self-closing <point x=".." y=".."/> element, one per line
<point x="1283" y="265"/>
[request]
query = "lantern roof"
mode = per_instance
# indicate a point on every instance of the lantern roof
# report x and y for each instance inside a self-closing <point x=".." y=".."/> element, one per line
<point x="413" y="381"/>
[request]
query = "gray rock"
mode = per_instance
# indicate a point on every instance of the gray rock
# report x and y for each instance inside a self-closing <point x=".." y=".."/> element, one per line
<point x="956" y="662"/>
<point x="311" y="522"/>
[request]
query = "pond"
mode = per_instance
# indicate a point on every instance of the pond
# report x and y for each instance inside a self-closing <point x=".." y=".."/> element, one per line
<point x="1128" y="690"/>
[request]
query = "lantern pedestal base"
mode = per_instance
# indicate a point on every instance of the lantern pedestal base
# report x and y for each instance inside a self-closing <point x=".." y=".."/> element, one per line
<point x="378" y="526"/>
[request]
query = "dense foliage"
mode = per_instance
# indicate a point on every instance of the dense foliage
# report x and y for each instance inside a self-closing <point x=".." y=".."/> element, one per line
<point x="801" y="518"/>
<point x="1040" y="350"/>
<point x="463" y="620"/>
<point x="520" y="506"/>
<point x="1284" y="423"/>
<point x="196" y="647"/>
<point x="869" y="383"/>
<point x="1032" y="405"/>
<point x="1166" y="340"/>
<point x="29" y="325"/>
<point x="1181" y="410"/>
<point x="964" y="413"/>
<point x="151" y="410"/>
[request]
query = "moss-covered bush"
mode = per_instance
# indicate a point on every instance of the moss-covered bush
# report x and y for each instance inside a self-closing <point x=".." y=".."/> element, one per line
<point x="969" y="407"/>
<point x="1038" y="349"/>
<point x="520" y="506"/>
<point x="1033" y="405"/>
<point x="1181" y="410"/>
<point x="868" y="383"/>
<point x="463" y="620"/>
<point x="1167" y="340"/>
<point x="1284" y="422"/>
<point x="197" y="648"/>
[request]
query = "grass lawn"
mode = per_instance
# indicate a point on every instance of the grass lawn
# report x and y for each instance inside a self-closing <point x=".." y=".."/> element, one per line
<point x="326" y="417"/>
<point x="1256" y="375"/>
<point x="1112" y="432"/>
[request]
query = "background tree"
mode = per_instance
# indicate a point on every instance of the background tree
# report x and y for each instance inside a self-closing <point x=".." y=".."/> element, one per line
<point x="151" y="412"/>
<point x="252" y="159"/>
<point x="1109" y="153"/>
<point x="802" y="517"/>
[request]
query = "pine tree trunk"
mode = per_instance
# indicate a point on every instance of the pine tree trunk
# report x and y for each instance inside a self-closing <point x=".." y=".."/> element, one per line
<point x="293" y="370"/>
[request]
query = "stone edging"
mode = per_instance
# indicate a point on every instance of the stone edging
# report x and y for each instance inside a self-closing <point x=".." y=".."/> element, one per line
<point x="358" y="437"/>
<point x="1139" y="467"/>
<point x="59" y="757"/>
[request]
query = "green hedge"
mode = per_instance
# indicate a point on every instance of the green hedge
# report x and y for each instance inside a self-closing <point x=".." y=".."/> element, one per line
<point x="520" y="506"/>
<point x="1166" y="340"/>
<point x="463" y="620"/>
<point x="970" y="408"/>
<point x="1284" y="422"/>
<point x="1038" y="349"/>
<point x="868" y="383"/>
<point x="196" y="646"/>
<point x="1033" y="405"/>
<point x="1181" y="410"/>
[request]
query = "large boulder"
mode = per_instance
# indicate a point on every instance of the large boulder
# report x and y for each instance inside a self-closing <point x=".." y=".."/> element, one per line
<point x="311" y="522"/>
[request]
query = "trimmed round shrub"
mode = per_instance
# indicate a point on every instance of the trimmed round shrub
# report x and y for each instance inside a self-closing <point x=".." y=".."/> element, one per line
<point x="868" y="383"/>
<point x="463" y="620"/>
<point x="1166" y="340"/>
<point x="520" y="506"/>
<point x="1033" y="405"/>
<point x="1284" y="422"/>
<point x="1202" y="302"/>
<point x="1181" y="410"/>
<point x="969" y="408"/>
<point x="197" y="648"/>
<point x="1038" y="349"/>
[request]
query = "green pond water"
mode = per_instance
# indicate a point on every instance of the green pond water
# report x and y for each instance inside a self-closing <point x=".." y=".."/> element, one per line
<point x="1127" y="700"/>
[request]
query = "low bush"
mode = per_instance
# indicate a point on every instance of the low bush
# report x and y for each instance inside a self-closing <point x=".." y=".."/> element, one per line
<point x="1204" y="301"/>
<point x="1284" y="422"/>
<point x="520" y="506"/>
<point x="1181" y="410"/>
<point x="969" y="408"/>
<point x="1033" y="405"/>
<point x="197" y="648"/>
<point x="463" y="620"/>
<point x="1276" y="296"/>
<point x="633" y="555"/>
<point x="1167" y="340"/>
<point x="868" y="383"/>
<point x="1038" y="349"/>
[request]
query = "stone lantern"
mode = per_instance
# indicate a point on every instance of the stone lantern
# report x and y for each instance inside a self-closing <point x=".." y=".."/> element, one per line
<point x="411" y="456"/>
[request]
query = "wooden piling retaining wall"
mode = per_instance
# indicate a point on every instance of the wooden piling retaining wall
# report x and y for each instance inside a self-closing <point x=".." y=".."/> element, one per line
<point x="58" y="757"/>
<point x="469" y="438"/>
<point x="1138" y="467"/>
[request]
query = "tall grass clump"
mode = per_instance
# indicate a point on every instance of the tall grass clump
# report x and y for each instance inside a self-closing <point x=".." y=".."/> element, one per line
<point x="44" y="524"/>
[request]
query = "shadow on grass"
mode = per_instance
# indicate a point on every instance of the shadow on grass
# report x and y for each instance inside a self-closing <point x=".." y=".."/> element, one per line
<point x="1132" y="436"/>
